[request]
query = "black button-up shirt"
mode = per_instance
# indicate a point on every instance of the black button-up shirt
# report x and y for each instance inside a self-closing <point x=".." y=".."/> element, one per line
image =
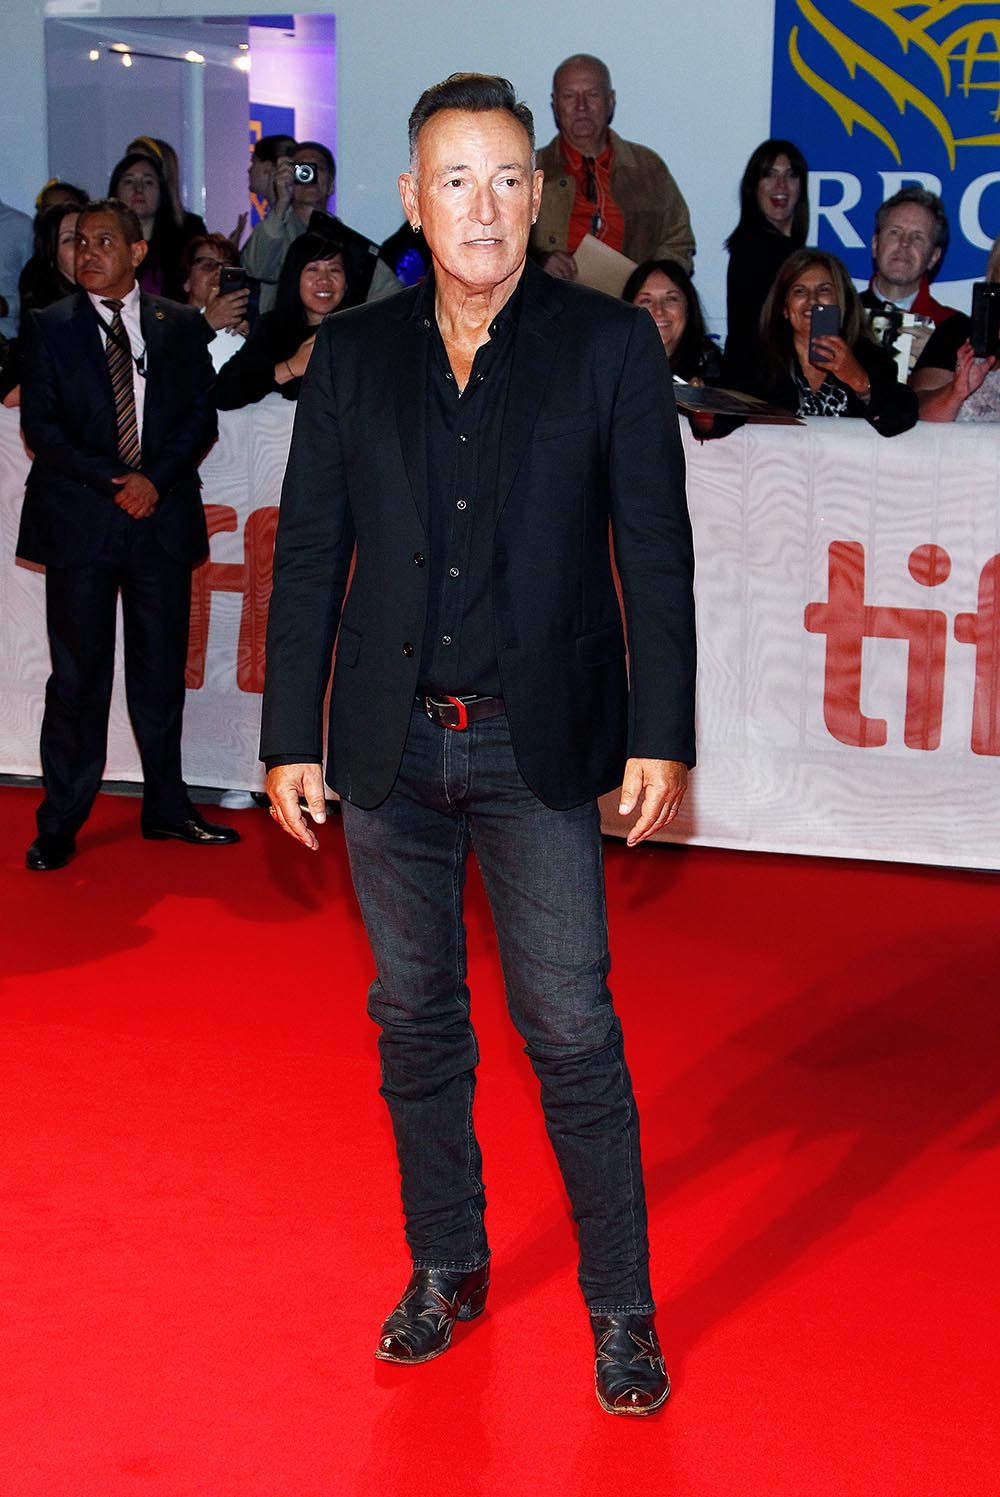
<point x="464" y="431"/>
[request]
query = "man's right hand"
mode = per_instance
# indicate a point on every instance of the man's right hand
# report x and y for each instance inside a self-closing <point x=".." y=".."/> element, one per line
<point x="561" y="265"/>
<point x="285" y="784"/>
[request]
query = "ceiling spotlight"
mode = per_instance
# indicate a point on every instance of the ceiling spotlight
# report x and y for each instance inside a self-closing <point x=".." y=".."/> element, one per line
<point x="94" y="55"/>
<point x="193" y="57"/>
<point x="119" y="46"/>
<point x="242" y="64"/>
<point x="126" y="60"/>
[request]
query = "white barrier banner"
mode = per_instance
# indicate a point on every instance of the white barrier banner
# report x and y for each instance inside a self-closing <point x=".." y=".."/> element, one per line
<point x="848" y="625"/>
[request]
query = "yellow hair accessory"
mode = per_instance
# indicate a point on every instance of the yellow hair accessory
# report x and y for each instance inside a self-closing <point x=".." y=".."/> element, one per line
<point x="38" y="201"/>
<point x="147" y="140"/>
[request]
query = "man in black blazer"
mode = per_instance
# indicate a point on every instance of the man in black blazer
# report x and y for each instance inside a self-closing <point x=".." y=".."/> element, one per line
<point x="469" y="441"/>
<point x="115" y="410"/>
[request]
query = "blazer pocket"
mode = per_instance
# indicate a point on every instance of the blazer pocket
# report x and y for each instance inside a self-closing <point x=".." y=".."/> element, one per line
<point x="348" y="646"/>
<point x="565" y="426"/>
<point x="606" y="647"/>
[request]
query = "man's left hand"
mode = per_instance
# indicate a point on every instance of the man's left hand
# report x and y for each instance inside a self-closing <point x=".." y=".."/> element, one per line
<point x="136" y="495"/>
<point x="657" y="787"/>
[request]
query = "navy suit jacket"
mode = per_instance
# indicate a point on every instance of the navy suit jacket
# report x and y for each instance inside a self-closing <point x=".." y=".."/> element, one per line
<point x="589" y="435"/>
<point x="68" y="421"/>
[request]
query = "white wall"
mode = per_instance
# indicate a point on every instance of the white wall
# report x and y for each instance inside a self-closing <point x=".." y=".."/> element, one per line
<point x="693" y="82"/>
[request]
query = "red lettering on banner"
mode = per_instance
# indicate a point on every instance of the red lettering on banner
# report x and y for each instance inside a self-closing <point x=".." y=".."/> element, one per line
<point x="982" y="629"/>
<point x="847" y="621"/>
<point x="252" y="578"/>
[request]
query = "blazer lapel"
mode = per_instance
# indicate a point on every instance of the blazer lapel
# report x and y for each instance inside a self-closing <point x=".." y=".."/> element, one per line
<point x="535" y="344"/>
<point x="408" y="361"/>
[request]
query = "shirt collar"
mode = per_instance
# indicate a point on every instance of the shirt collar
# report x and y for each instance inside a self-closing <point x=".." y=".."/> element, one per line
<point x="130" y="302"/>
<point x="574" y="159"/>
<point x="424" y="315"/>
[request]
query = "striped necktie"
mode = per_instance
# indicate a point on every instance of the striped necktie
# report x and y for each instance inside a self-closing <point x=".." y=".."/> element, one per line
<point x="118" y="350"/>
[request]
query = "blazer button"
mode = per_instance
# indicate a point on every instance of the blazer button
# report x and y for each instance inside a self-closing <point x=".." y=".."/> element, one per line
<point x="418" y="558"/>
<point x="407" y="649"/>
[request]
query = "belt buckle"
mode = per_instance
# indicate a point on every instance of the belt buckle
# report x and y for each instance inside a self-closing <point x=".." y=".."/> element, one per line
<point x="460" y="709"/>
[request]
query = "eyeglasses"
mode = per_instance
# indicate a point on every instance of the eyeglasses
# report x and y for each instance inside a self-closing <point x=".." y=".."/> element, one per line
<point x="205" y="262"/>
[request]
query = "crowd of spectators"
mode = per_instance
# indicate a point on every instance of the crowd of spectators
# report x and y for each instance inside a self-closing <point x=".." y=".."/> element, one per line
<point x="890" y="356"/>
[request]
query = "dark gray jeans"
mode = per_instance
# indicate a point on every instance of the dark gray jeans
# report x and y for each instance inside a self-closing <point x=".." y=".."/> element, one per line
<point x="544" y="877"/>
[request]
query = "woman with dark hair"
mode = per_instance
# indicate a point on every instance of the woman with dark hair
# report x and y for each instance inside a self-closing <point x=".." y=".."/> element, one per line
<point x="138" y="182"/>
<point x="163" y="153"/>
<point x="774" y="221"/>
<point x="843" y="374"/>
<point x="665" y="289"/>
<point x="48" y="276"/>
<point x="276" y="355"/>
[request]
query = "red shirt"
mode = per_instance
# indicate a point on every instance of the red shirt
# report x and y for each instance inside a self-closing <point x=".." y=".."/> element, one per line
<point x="594" y="209"/>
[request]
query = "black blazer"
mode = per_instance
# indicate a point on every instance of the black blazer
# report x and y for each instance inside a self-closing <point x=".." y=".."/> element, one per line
<point x="590" y="434"/>
<point x="69" y="425"/>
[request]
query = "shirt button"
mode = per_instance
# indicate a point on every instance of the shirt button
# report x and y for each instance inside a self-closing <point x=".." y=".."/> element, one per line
<point x="453" y="571"/>
<point x="407" y="649"/>
<point x="449" y="376"/>
<point x="463" y="436"/>
<point x="446" y="639"/>
<point x="461" y="504"/>
<point x="427" y="322"/>
<point x="418" y="558"/>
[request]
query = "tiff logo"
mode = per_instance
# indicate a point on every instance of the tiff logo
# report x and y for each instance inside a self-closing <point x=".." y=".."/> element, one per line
<point x="251" y="578"/>
<point x="847" y="621"/>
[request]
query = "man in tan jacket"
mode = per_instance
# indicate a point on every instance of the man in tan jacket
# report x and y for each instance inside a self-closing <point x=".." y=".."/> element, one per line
<point x="597" y="183"/>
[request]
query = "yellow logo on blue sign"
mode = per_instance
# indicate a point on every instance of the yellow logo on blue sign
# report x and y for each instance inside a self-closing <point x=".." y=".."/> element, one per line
<point x="879" y="94"/>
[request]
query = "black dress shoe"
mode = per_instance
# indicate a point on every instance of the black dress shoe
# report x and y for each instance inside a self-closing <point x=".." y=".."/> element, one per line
<point x="193" y="828"/>
<point x="420" y="1326"/>
<point x="629" y="1373"/>
<point x="48" y="851"/>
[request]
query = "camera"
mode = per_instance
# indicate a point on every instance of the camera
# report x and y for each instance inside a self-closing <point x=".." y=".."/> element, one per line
<point x="305" y="172"/>
<point x="985" y="334"/>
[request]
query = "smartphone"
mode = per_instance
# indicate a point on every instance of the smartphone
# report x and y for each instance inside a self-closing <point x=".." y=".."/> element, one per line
<point x="824" y="322"/>
<point x="985" y="335"/>
<point x="232" y="278"/>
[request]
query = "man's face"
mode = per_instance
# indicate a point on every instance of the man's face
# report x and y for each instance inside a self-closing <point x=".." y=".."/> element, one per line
<point x="904" y="248"/>
<point x="105" y="262"/>
<point x="308" y="196"/>
<point x="475" y="196"/>
<point x="583" y="106"/>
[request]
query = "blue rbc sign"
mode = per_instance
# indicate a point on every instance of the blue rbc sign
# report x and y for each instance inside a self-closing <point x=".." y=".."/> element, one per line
<point x="880" y="94"/>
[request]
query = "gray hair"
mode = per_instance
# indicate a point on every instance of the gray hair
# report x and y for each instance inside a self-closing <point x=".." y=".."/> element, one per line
<point x="475" y="92"/>
<point x="923" y="199"/>
<point x="589" y="61"/>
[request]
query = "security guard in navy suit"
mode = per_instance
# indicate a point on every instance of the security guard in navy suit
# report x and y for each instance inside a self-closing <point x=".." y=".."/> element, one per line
<point x="115" y="409"/>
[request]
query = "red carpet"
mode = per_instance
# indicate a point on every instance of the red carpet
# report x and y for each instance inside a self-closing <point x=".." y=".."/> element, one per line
<point x="200" y="1232"/>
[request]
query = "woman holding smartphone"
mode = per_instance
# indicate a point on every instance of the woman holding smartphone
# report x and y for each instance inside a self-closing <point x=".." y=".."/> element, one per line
<point x="276" y="355"/>
<point x="816" y="355"/>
